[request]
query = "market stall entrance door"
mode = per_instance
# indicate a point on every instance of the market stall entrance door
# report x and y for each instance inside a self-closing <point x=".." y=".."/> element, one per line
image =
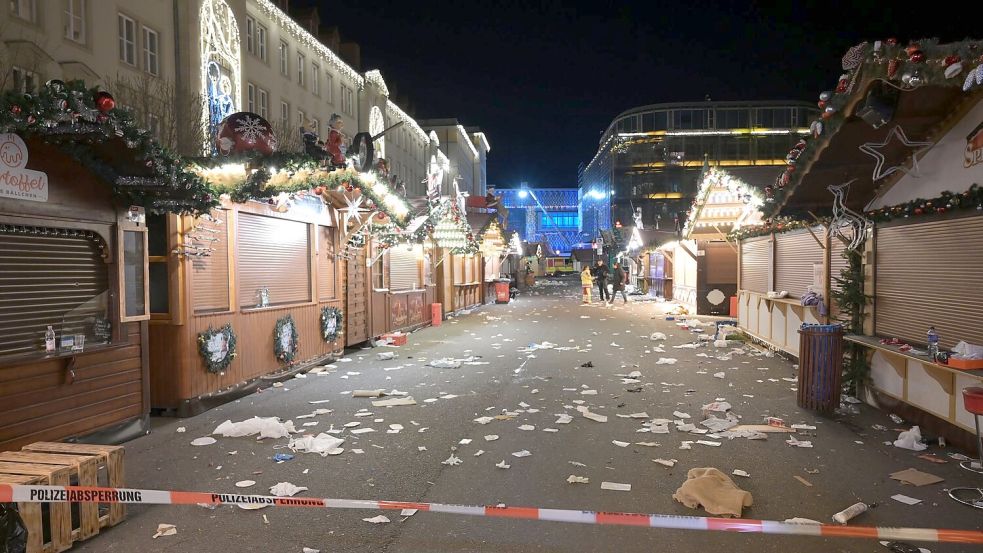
<point x="357" y="298"/>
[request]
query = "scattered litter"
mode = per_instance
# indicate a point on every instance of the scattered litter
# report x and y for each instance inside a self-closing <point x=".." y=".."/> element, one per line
<point x="484" y="420"/>
<point x="803" y="427"/>
<point x="564" y="418"/>
<point x="904" y="547"/>
<point x="800" y="520"/>
<point x="804" y="482"/>
<point x="739" y="472"/>
<point x="798" y="443"/>
<point x="181" y="430"/>
<point x="714" y="490"/>
<point x="491" y="437"/>
<point x="708" y="442"/>
<point x="381" y="519"/>
<point x="479" y="453"/>
<point x="911" y="439"/>
<point x="282" y="457"/>
<point x="452" y="461"/>
<point x="502" y="465"/>
<point x="520" y="454"/>
<point x="358" y="431"/>
<point x="269" y="427"/>
<point x="896" y="419"/>
<point x="527" y="427"/>
<point x="615" y="486"/>
<point x="369" y="393"/>
<point x="666" y="361"/>
<point x="352" y="424"/>
<point x="720" y="374"/>
<point x="386" y="355"/>
<point x="620" y="444"/>
<point x="680" y="415"/>
<point x="408" y="512"/>
<point x="850" y="512"/>
<point x="905" y="499"/>
<point x="394" y="429"/>
<point x="464" y="441"/>
<point x="578" y="479"/>
<point x="915" y="477"/>
<point x="203" y="441"/>
<point x="309" y="550"/>
<point x="666" y="462"/>
<point x="245" y="483"/>
<point x="445" y="363"/>
<point x="286" y="489"/>
<point x="657" y="336"/>
<point x="588" y="392"/>
<point x="761" y="428"/>
<point x="165" y="530"/>
<point x="394" y="402"/>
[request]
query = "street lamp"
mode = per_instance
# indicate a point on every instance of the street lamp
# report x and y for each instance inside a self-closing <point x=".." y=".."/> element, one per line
<point x="523" y="193"/>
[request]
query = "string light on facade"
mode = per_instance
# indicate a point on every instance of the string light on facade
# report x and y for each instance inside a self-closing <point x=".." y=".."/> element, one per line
<point x="720" y="187"/>
<point x="467" y="140"/>
<point x="402" y="116"/>
<point x="374" y="76"/>
<point x="221" y="68"/>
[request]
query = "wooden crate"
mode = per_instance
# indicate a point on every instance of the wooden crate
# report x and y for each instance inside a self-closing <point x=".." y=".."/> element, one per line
<point x="60" y="514"/>
<point x="84" y="473"/>
<point x="109" y="456"/>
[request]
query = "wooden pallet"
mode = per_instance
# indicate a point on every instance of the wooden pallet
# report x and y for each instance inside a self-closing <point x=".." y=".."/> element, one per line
<point x="108" y="456"/>
<point x="84" y="473"/>
<point x="60" y="514"/>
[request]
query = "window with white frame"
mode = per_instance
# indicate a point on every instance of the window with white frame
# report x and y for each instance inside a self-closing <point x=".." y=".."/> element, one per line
<point x="264" y="103"/>
<point x="24" y="80"/>
<point x="284" y="61"/>
<point x="284" y="113"/>
<point x="24" y="9"/>
<point x="301" y="62"/>
<point x="329" y="87"/>
<point x="251" y="97"/>
<point x="151" y="51"/>
<point x="250" y="35"/>
<point x="127" y="39"/>
<point x="346" y="100"/>
<point x="316" y="79"/>
<point x="300" y="118"/>
<point x="75" y="20"/>
<point x="261" y="41"/>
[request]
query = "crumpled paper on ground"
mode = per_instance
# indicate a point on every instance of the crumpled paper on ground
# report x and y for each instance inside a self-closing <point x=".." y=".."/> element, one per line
<point x="321" y="444"/>
<point x="911" y="439"/>
<point x="714" y="490"/>
<point x="445" y="363"/>
<point x="657" y="336"/>
<point x="164" y="529"/>
<point x="286" y="489"/>
<point x="269" y="427"/>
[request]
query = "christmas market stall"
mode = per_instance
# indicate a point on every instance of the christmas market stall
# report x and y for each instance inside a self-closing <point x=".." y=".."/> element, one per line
<point x="704" y="260"/>
<point x="457" y="265"/>
<point x="493" y="250"/>
<point x="78" y="184"/>
<point x="258" y="284"/>
<point x="888" y="186"/>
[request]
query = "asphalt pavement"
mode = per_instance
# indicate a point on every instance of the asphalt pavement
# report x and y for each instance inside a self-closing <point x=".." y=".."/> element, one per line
<point x="501" y="377"/>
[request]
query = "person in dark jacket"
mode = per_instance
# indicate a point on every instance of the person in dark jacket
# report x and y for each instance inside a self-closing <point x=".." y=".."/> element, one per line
<point x="601" y="278"/>
<point x="619" y="278"/>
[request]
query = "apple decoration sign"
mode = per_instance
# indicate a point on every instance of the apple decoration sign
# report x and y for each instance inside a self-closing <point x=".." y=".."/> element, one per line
<point x="16" y="181"/>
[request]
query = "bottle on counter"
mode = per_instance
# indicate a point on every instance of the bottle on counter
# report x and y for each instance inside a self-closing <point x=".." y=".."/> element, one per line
<point x="49" y="340"/>
<point x="933" y="342"/>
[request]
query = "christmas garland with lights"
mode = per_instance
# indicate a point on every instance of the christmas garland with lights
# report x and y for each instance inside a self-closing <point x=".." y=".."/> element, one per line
<point x="948" y="201"/>
<point x="286" y="355"/>
<point x="75" y="118"/>
<point x="329" y="314"/>
<point x="775" y="225"/>
<point x="920" y="63"/>
<point x="217" y="366"/>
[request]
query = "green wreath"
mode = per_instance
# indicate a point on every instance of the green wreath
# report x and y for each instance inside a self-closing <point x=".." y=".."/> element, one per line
<point x="217" y="348"/>
<point x="331" y="320"/>
<point x="284" y="345"/>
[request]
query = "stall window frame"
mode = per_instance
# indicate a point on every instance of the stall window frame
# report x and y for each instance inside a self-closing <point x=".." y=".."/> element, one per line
<point x="124" y="226"/>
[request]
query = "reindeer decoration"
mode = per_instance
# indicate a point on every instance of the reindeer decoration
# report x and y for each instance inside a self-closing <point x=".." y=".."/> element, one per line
<point x="845" y="218"/>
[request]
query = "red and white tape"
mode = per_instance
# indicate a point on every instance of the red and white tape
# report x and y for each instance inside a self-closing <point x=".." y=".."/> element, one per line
<point x="78" y="494"/>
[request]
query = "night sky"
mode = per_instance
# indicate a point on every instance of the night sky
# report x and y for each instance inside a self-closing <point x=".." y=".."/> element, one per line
<point x="544" y="80"/>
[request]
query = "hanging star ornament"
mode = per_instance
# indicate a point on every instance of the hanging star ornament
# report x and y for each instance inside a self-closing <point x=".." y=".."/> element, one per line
<point x="351" y="210"/>
<point x="872" y="149"/>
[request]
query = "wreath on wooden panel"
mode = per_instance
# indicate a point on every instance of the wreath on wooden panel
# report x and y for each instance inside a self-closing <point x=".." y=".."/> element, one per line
<point x="217" y="348"/>
<point x="285" y="339"/>
<point x="331" y="321"/>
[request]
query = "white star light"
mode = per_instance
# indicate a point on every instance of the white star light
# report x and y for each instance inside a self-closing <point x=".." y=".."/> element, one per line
<point x="351" y="211"/>
<point x="872" y="149"/>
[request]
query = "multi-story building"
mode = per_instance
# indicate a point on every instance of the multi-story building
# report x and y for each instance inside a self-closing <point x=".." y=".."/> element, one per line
<point x="650" y="157"/>
<point x="182" y="65"/>
<point x="547" y="215"/>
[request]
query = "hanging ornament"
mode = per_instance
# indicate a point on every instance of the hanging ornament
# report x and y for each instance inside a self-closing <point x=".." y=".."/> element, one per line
<point x="800" y="145"/>
<point x="892" y="68"/>
<point x="854" y="56"/>
<point x="15" y="110"/>
<point x="319" y="190"/>
<point x="245" y="132"/>
<point x="55" y="85"/>
<point x="916" y="57"/>
<point x="843" y="83"/>
<point x="892" y="41"/>
<point x="105" y="101"/>
<point x="828" y="112"/>
<point x="817" y="128"/>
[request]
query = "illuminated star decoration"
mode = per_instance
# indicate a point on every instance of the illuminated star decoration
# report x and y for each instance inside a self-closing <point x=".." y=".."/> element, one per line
<point x="351" y="211"/>
<point x="872" y="149"/>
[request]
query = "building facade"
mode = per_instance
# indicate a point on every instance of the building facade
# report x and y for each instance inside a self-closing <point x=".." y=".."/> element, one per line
<point x="548" y="215"/>
<point x="466" y="154"/>
<point x="650" y="157"/>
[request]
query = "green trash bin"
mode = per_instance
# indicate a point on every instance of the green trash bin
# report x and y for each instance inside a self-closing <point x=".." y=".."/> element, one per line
<point x="820" y="366"/>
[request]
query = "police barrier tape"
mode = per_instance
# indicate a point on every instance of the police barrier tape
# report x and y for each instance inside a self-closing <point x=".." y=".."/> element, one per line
<point x="79" y="494"/>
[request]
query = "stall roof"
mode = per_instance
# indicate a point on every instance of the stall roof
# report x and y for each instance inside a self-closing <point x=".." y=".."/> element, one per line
<point x="928" y="80"/>
<point x="722" y="204"/>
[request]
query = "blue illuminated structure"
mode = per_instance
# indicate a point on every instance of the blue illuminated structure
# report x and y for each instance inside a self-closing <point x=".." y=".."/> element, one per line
<point x="552" y="215"/>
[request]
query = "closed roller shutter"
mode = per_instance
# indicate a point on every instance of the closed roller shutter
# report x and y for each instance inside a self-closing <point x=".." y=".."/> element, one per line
<point x="929" y="274"/>
<point x="274" y="254"/>
<point x="326" y="263"/>
<point x="795" y="255"/>
<point x="210" y="274"/>
<point x="721" y="263"/>
<point x="51" y="277"/>
<point x="404" y="269"/>
<point x="756" y="264"/>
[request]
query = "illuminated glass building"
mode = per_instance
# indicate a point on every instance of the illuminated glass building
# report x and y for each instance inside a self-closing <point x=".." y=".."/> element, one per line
<point x="651" y="156"/>
<point x="545" y="215"/>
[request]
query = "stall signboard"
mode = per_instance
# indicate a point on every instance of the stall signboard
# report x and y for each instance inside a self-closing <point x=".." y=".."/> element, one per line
<point x="16" y="181"/>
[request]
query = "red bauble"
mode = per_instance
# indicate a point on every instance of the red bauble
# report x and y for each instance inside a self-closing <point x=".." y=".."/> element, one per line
<point x="841" y="86"/>
<point x="15" y="109"/>
<point x="31" y="120"/>
<point x="949" y="60"/>
<point x="940" y="210"/>
<point x="319" y="190"/>
<point x="912" y="48"/>
<point x="105" y="101"/>
<point x="245" y="132"/>
<point x="892" y="41"/>
<point x="917" y="56"/>
<point x="821" y="104"/>
<point x="918" y="211"/>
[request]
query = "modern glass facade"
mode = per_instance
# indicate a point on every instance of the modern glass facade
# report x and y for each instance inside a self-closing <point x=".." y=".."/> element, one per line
<point x="546" y="214"/>
<point x="650" y="157"/>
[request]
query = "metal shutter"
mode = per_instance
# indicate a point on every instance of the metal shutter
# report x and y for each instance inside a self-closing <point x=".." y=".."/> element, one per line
<point x="404" y="270"/>
<point x="210" y="274"/>
<point x="929" y="274"/>
<point x="795" y="254"/>
<point x="273" y="253"/>
<point x="756" y="264"/>
<point x="721" y="263"/>
<point x="51" y="277"/>
<point x="326" y="263"/>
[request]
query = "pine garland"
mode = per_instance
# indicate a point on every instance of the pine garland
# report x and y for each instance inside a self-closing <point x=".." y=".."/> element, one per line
<point x="852" y="303"/>
<point x="329" y="314"/>
<point x="285" y="354"/>
<point x="217" y="366"/>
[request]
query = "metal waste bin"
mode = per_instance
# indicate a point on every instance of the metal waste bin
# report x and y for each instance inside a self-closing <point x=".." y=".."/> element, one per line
<point x="820" y="366"/>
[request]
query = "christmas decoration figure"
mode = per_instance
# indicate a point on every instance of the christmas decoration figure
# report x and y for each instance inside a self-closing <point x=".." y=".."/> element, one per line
<point x="336" y="140"/>
<point x="845" y="218"/>
<point x="313" y="145"/>
<point x="245" y="132"/>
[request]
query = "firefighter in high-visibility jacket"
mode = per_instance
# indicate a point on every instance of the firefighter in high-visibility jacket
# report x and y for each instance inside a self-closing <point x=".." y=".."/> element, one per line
<point x="587" y="282"/>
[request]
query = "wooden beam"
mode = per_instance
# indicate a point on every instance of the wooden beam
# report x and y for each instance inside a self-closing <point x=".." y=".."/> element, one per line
<point x="816" y="238"/>
<point x="724" y="236"/>
<point x="688" y="251"/>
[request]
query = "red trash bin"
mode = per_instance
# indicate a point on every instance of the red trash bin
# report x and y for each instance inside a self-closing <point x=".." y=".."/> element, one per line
<point x="436" y="314"/>
<point x="502" y="291"/>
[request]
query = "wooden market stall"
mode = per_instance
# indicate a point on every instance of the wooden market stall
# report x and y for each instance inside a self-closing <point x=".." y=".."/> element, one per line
<point x="493" y="248"/>
<point x="457" y="266"/>
<point x="76" y="181"/>
<point x="901" y="143"/>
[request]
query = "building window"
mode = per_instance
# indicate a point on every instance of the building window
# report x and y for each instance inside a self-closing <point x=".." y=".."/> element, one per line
<point x="251" y="35"/>
<point x="24" y="9"/>
<point x="251" y="97"/>
<point x="560" y="219"/>
<point x="284" y="62"/>
<point x="24" y="80"/>
<point x="316" y="126"/>
<point x="127" y="40"/>
<point x="75" y="20"/>
<point x="284" y="113"/>
<point x="301" y="61"/>
<point x="261" y="41"/>
<point x="264" y="103"/>
<point x="315" y="79"/>
<point x="300" y="118"/>
<point x="379" y="273"/>
<point x="329" y="87"/>
<point x="347" y="100"/>
<point x="151" y="51"/>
